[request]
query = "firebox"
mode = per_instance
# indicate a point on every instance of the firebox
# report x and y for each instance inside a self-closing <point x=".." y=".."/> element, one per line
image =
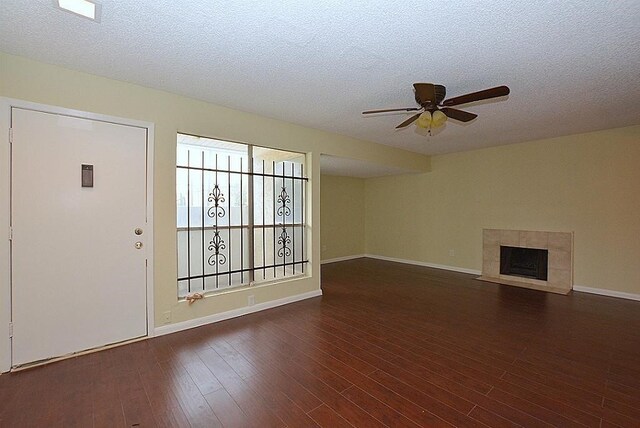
<point x="525" y="262"/>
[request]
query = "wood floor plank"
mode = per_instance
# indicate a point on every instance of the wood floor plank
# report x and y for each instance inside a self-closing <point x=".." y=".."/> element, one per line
<point x="193" y="404"/>
<point x="202" y="377"/>
<point x="630" y="392"/>
<point x="135" y="403"/>
<point x="167" y="411"/>
<point x="616" y="395"/>
<point x="280" y="403"/>
<point x="269" y="367"/>
<point x="223" y="372"/>
<point x="551" y="402"/>
<point x="425" y="401"/>
<point x="239" y="364"/>
<point x="226" y="409"/>
<point x="612" y="417"/>
<point x="410" y="378"/>
<point x="75" y="401"/>
<point x="387" y="344"/>
<point x="320" y="341"/>
<point x="378" y="409"/>
<point x="438" y="365"/>
<point x="107" y="405"/>
<point x="629" y="411"/>
<point x="330" y="396"/>
<point x="327" y="418"/>
<point x="553" y="383"/>
<point x="491" y="419"/>
<point x="254" y="406"/>
<point x="404" y="406"/>
<point x="533" y="409"/>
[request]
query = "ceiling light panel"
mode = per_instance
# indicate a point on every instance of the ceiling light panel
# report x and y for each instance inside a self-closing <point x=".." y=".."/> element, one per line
<point x="83" y="8"/>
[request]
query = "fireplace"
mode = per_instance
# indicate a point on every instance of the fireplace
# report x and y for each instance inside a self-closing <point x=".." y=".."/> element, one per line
<point x="524" y="262"/>
<point x="533" y="259"/>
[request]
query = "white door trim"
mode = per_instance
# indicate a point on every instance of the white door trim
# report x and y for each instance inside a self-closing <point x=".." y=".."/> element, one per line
<point x="5" y="213"/>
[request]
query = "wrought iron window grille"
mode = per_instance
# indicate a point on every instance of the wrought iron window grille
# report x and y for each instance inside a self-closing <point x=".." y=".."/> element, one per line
<point x="268" y="241"/>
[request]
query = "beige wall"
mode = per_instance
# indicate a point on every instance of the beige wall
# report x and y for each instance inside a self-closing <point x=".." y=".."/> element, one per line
<point x="341" y="216"/>
<point x="585" y="183"/>
<point x="32" y="81"/>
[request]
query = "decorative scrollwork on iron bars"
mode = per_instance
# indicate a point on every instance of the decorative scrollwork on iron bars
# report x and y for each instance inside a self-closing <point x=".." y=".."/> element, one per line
<point x="216" y="245"/>
<point x="284" y="239"/>
<point x="283" y="200"/>
<point x="217" y="197"/>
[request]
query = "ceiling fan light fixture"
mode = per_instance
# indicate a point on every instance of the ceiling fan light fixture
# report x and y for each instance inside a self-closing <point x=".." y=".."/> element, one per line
<point x="438" y="118"/>
<point x="424" y="121"/>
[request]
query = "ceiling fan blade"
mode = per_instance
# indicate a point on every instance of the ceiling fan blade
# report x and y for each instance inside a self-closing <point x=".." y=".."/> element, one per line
<point x="425" y="93"/>
<point x="498" y="91"/>
<point x="460" y="115"/>
<point x="409" y="121"/>
<point x="391" y="109"/>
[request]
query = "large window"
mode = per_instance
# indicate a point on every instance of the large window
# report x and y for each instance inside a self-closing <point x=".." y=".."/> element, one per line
<point x="241" y="214"/>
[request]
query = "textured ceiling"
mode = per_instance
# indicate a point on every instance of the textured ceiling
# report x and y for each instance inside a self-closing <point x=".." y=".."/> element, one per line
<point x="572" y="66"/>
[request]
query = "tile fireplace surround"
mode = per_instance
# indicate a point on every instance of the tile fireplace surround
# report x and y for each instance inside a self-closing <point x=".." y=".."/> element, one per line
<point x="559" y="245"/>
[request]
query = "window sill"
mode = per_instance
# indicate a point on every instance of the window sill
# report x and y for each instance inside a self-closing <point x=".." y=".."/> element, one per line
<point x="252" y="286"/>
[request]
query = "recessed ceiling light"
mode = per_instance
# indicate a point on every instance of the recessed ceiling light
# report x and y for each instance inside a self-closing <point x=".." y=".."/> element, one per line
<point x="85" y="8"/>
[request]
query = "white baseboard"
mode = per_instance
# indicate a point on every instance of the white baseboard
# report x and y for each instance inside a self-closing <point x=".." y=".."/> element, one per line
<point x="579" y="288"/>
<point x="609" y="293"/>
<point x="425" y="264"/>
<point x="185" y="325"/>
<point x="342" y="259"/>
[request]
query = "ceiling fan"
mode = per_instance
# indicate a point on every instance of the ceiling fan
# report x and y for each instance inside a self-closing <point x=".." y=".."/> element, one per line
<point x="434" y="109"/>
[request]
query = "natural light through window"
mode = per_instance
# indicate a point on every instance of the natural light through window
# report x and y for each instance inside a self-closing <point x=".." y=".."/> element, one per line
<point x="240" y="214"/>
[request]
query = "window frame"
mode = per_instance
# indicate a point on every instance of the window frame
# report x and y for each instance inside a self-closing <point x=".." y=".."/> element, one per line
<point x="251" y="268"/>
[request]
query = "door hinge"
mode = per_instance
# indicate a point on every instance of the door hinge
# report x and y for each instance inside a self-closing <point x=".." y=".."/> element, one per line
<point x="10" y="329"/>
<point x="10" y="135"/>
<point x="10" y="233"/>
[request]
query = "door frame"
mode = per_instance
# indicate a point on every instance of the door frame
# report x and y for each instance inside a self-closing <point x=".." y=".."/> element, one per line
<point x="6" y="104"/>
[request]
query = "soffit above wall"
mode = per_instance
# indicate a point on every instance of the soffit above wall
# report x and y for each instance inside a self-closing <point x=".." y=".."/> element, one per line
<point x="333" y="165"/>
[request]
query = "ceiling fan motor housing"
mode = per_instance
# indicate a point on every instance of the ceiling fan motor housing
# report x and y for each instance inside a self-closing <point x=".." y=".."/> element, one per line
<point x="440" y="91"/>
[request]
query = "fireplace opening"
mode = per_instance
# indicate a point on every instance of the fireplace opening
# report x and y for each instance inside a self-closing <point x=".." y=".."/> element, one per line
<point x="525" y="262"/>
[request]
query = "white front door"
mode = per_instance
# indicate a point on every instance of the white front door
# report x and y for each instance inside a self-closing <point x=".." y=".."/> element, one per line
<point x="78" y="280"/>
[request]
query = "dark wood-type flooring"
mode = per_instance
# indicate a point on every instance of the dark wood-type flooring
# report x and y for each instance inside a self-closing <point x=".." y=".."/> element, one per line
<point x="387" y="345"/>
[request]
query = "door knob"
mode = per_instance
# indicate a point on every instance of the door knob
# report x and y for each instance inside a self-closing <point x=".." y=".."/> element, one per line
<point x="138" y="231"/>
<point x="138" y="245"/>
